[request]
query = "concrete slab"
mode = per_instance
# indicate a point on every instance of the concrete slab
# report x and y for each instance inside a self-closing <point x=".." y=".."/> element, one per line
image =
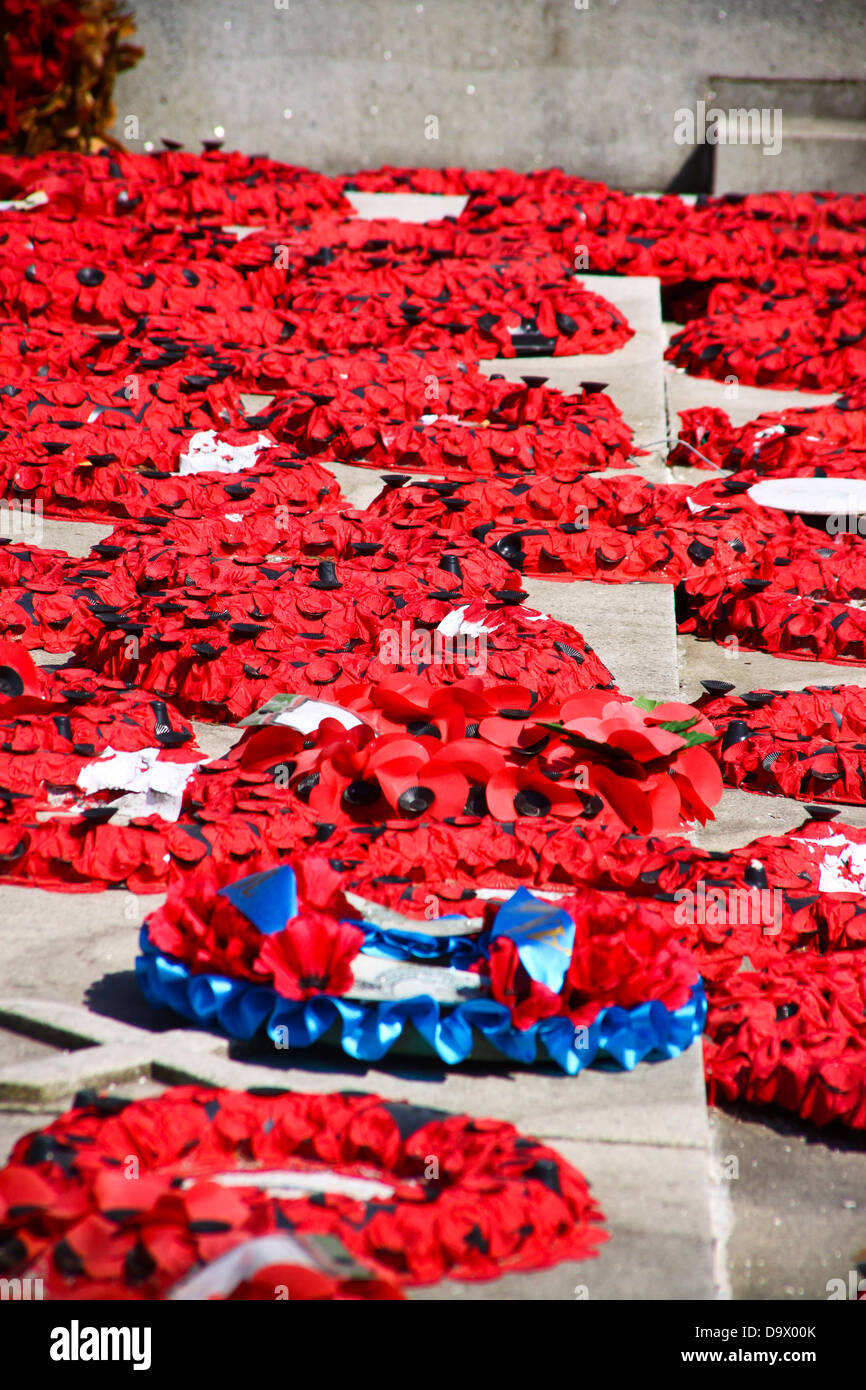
<point x="705" y="660"/>
<point x="359" y="486"/>
<point x="743" y="816"/>
<point x="798" y="1200"/>
<point x="813" y="152"/>
<point x="631" y="627"/>
<point x="407" y="207"/>
<point x="72" y="947"/>
<point x="742" y="403"/>
<point x="74" y="537"/>
<point x="656" y="1105"/>
<point x="334" y="86"/>
<point x="653" y="1201"/>
<point x="215" y="740"/>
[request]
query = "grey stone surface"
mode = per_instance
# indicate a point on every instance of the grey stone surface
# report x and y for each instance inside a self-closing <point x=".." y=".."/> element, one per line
<point x="215" y="740"/>
<point x="814" y="152"/>
<point x="822" y="127"/>
<point x="741" y="403"/>
<point x="72" y="946"/>
<point x="744" y="816"/>
<point x="654" y="1201"/>
<point x="630" y="626"/>
<point x="73" y="537"/>
<point x="359" y="486"/>
<point x="705" y="660"/>
<point x="594" y="90"/>
<point x="657" y="1105"/>
<point x="798" y="1202"/>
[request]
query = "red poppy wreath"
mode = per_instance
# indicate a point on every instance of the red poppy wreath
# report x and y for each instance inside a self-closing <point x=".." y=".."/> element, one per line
<point x="139" y="1200"/>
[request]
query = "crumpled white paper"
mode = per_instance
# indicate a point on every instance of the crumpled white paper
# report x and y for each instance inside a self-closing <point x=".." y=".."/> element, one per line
<point x="152" y="787"/>
<point x="843" y="865"/>
<point x="207" y="453"/>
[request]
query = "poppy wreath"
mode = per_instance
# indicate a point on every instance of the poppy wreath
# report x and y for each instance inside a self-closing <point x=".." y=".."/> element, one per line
<point x="613" y="530"/>
<point x="494" y="314"/>
<point x="811" y="875"/>
<point x="207" y="191"/>
<point x="781" y="919"/>
<point x="81" y="454"/>
<point x="396" y="383"/>
<point x="802" y="341"/>
<point x="777" y="618"/>
<point x="101" y="485"/>
<point x="456" y="447"/>
<point x="70" y="743"/>
<point x="799" y="594"/>
<point x="175" y="551"/>
<point x="770" y="239"/>
<point x="88" y="353"/>
<point x="214" y="1171"/>
<point x="234" y="811"/>
<point x="351" y="404"/>
<point x="784" y="964"/>
<point x="807" y="744"/>
<point x="792" y="1034"/>
<point x="65" y="291"/>
<point x="822" y="441"/>
<point x="43" y="714"/>
<point x="472" y="751"/>
<point x="223" y="664"/>
<point x="274" y="952"/>
<point x="771" y="904"/>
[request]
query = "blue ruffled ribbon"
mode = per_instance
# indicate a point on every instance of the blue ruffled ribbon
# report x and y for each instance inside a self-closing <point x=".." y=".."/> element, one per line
<point x="368" y="1030"/>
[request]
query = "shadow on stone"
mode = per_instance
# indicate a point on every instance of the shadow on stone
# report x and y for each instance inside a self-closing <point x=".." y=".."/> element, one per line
<point x="118" y="996"/>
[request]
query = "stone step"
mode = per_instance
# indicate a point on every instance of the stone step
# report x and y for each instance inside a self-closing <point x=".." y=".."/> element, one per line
<point x="813" y="152"/>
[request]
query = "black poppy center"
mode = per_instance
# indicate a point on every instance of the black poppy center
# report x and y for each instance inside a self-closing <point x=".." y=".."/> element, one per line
<point x="416" y="800"/>
<point x="10" y="682"/>
<point x="360" y="793"/>
<point x="531" y="802"/>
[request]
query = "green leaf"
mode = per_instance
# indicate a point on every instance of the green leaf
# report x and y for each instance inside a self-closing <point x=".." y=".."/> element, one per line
<point x="677" y="726"/>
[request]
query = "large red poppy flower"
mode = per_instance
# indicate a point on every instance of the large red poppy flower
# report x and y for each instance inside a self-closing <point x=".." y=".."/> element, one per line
<point x="312" y="955"/>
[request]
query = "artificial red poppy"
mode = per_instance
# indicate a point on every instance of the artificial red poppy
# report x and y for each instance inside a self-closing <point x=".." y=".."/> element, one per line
<point x="311" y="955"/>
